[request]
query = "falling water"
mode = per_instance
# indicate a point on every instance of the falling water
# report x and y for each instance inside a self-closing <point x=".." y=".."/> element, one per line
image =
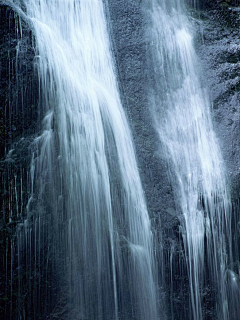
<point x="87" y="221"/>
<point x="183" y="120"/>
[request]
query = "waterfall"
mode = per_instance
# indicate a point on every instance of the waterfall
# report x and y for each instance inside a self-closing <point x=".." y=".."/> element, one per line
<point x="182" y="116"/>
<point x="78" y="241"/>
<point x="87" y="226"/>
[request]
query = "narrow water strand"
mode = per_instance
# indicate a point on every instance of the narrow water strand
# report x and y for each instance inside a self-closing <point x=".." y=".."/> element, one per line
<point x="183" y="120"/>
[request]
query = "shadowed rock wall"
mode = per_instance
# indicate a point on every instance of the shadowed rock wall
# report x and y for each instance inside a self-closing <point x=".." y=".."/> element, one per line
<point x="219" y="51"/>
<point x="18" y="118"/>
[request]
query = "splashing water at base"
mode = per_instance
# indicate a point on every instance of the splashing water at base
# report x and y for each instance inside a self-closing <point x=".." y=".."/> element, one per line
<point x="182" y="118"/>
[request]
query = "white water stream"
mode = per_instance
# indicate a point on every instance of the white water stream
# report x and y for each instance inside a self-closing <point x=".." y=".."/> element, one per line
<point x="182" y="116"/>
<point x="84" y="166"/>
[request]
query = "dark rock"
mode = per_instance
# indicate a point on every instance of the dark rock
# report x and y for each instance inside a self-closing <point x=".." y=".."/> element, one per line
<point x="18" y="122"/>
<point x="220" y="55"/>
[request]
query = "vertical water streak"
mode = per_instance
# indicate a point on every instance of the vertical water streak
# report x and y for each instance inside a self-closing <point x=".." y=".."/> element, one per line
<point x="183" y="120"/>
<point x="86" y="196"/>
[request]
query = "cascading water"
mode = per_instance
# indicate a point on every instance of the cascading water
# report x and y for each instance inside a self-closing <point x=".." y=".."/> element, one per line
<point x="183" y="120"/>
<point x="81" y="247"/>
<point x="87" y="218"/>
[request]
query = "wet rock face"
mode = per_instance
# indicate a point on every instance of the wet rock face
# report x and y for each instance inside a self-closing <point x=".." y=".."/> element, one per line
<point x="18" y="102"/>
<point x="18" y="80"/>
<point x="18" y="118"/>
<point x="205" y="4"/>
<point x="219" y="50"/>
<point x="131" y="46"/>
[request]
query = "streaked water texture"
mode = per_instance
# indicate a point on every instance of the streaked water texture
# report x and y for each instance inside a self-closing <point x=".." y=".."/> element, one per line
<point x="86" y="195"/>
<point x="183" y="119"/>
